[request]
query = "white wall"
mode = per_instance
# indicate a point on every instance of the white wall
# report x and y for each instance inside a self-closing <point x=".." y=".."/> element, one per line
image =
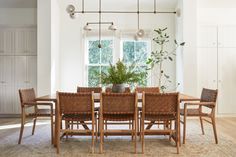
<point x="55" y="44"/>
<point x="187" y="60"/>
<point x="18" y="16"/>
<point x="72" y="54"/>
<point x="44" y="47"/>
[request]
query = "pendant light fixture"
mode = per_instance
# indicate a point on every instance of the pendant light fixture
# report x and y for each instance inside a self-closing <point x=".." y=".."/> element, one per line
<point x="140" y="32"/>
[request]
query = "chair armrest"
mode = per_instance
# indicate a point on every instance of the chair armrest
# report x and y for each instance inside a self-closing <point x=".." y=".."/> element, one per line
<point x="199" y="104"/>
<point x="37" y="104"/>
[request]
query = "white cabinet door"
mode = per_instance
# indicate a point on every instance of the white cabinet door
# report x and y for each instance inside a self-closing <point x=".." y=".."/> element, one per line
<point x="20" y="79"/>
<point x="227" y="36"/>
<point x="26" y="41"/>
<point x="32" y="72"/>
<point x="207" y="36"/>
<point x="207" y="68"/>
<point x="7" y="41"/>
<point x="227" y="81"/>
<point x="6" y="84"/>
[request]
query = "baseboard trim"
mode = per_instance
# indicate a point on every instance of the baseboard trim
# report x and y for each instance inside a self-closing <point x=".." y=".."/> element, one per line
<point x="10" y="115"/>
<point x="226" y="115"/>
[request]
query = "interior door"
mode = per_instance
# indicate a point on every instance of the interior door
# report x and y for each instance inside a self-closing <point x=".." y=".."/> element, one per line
<point x="227" y="81"/>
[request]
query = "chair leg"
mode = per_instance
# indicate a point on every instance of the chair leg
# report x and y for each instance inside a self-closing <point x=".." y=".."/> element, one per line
<point x="106" y="125"/>
<point x="135" y="136"/>
<point x="201" y="121"/>
<point x="132" y="129"/>
<point x="22" y="126"/>
<point x="101" y="134"/>
<point x="66" y="126"/>
<point x="34" y="123"/>
<point x="92" y="136"/>
<point x="142" y="134"/>
<point x="96" y="129"/>
<point x="52" y="135"/>
<point x="59" y="122"/>
<point x="184" y="129"/>
<point x="214" y="129"/>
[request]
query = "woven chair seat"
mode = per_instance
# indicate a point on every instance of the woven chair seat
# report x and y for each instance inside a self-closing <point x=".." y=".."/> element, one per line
<point x="118" y="117"/>
<point x="42" y="113"/>
<point x="193" y="112"/>
<point x="78" y="117"/>
<point x="159" y="117"/>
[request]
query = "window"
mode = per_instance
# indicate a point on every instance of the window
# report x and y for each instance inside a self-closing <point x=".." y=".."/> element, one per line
<point x="98" y="59"/>
<point x="136" y="51"/>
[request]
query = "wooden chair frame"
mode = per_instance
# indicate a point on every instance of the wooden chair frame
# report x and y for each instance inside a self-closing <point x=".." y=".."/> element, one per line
<point x="173" y="133"/>
<point x="70" y="130"/>
<point x="26" y="104"/>
<point x="132" y="131"/>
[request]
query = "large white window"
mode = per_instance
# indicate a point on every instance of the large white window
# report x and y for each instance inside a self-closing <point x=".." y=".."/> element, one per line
<point x="98" y="60"/>
<point x="136" y="52"/>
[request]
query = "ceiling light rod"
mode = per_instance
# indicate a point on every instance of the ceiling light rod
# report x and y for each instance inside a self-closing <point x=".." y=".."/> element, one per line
<point x="88" y="23"/>
<point x="127" y="12"/>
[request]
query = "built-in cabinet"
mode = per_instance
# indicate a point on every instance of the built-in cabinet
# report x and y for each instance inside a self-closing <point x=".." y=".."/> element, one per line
<point x="18" y="65"/>
<point x="217" y="64"/>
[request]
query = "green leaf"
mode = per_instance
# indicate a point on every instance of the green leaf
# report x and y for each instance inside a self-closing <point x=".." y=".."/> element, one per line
<point x="170" y="58"/>
<point x="182" y="44"/>
<point x="175" y="42"/>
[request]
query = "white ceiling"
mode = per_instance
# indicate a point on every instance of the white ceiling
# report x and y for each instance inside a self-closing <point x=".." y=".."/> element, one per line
<point x="18" y="3"/>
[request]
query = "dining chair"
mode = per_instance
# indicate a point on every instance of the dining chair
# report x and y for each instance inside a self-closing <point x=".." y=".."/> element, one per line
<point x="147" y="89"/>
<point x="96" y="90"/>
<point x="208" y="100"/>
<point x="27" y="101"/>
<point x="89" y="89"/>
<point x="118" y="107"/>
<point x="160" y="107"/>
<point x="76" y="107"/>
<point x="109" y="90"/>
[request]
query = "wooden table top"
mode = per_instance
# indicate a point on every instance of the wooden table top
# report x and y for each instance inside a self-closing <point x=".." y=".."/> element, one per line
<point x="52" y="97"/>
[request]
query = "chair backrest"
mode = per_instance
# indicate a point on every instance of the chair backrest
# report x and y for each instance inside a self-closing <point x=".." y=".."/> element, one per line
<point x="147" y="89"/>
<point x="109" y="90"/>
<point x="27" y="95"/>
<point x="118" y="103"/>
<point x="89" y="89"/>
<point x="161" y="103"/>
<point x="75" y="103"/>
<point x="209" y="95"/>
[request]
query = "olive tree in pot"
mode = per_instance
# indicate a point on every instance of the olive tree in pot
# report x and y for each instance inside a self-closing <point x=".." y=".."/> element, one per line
<point x="161" y="56"/>
<point x="121" y="74"/>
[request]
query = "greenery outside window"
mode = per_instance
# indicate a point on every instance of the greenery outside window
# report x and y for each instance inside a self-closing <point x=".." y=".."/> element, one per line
<point x="98" y="59"/>
<point x="136" y="52"/>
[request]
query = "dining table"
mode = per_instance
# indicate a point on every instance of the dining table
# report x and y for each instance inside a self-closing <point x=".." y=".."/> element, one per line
<point x="53" y="98"/>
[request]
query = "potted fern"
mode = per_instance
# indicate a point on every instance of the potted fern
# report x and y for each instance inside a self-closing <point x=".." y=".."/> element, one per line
<point x="120" y="74"/>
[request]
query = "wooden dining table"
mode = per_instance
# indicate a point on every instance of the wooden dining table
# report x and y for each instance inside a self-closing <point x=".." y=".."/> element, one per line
<point x="52" y="97"/>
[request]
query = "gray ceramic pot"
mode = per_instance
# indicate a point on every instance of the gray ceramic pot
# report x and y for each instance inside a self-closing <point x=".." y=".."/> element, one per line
<point x="118" y="88"/>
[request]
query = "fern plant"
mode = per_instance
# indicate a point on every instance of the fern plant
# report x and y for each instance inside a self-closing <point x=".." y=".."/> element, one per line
<point x="121" y="73"/>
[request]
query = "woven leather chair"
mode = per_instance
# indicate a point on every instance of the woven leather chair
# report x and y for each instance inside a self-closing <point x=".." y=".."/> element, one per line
<point x="76" y="107"/>
<point x="96" y="90"/>
<point x="27" y="100"/>
<point x="109" y="90"/>
<point x="89" y="89"/>
<point x="208" y="100"/>
<point x="161" y="107"/>
<point x="118" y="107"/>
<point x="147" y="89"/>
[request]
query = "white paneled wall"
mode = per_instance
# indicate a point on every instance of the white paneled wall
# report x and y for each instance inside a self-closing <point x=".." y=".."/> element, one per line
<point x="18" y="65"/>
